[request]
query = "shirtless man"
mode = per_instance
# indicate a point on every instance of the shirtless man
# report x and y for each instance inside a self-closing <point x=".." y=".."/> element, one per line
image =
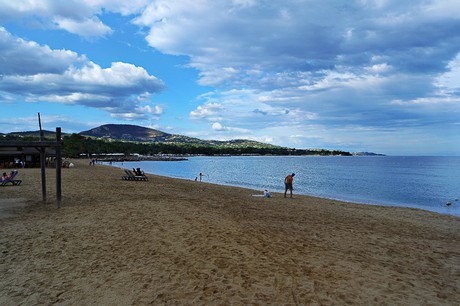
<point x="288" y="184"/>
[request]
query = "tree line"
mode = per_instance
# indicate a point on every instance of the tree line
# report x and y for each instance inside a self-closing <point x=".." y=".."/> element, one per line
<point x="75" y="144"/>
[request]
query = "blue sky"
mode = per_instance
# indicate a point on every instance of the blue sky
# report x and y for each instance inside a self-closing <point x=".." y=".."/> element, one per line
<point x="364" y="75"/>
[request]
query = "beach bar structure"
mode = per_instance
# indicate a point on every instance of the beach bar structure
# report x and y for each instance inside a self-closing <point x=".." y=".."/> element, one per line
<point x="41" y="146"/>
<point x="24" y="157"/>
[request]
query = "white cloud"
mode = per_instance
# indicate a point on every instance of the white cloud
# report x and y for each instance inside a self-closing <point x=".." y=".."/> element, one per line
<point x="90" y="27"/>
<point x="121" y="79"/>
<point x="206" y="110"/>
<point x="442" y="9"/>
<point x="437" y="100"/>
<point x="244" y="111"/>
<point x="74" y="16"/>
<point x="217" y="76"/>
<point x="21" y="57"/>
<point x="62" y="76"/>
<point x="216" y="126"/>
<point x="267" y="36"/>
<point x="155" y="110"/>
<point x="72" y="98"/>
<point x="118" y="75"/>
<point x="129" y="116"/>
<point x="379" y="68"/>
<point x="450" y="80"/>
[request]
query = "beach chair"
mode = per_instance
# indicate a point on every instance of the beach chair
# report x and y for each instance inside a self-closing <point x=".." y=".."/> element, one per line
<point x="142" y="177"/>
<point x="12" y="180"/>
<point x="130" y="176"/>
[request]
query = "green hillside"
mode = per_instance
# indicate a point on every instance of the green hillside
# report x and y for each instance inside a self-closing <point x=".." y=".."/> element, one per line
<point x="131" y="139"/>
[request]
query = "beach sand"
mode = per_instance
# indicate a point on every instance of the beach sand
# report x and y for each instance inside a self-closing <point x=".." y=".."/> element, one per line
<point x="179" y="242"/>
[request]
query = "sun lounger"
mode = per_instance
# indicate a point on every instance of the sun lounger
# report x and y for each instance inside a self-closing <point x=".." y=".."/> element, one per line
<point x="142" y="177"/>
<point x="130" y="176"/>
<point x="11" y="180"/>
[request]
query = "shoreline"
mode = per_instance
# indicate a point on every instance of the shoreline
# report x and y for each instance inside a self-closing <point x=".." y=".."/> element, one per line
<point x="453" y="210"/>
<point x="183" y="242"/>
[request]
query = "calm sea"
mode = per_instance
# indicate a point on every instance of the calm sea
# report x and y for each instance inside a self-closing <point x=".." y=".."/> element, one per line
<point x="418" y="182"/>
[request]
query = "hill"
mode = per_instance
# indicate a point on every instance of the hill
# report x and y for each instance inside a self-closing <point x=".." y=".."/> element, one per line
<point x="128" y="132"/>
<point x="135" y="133"/>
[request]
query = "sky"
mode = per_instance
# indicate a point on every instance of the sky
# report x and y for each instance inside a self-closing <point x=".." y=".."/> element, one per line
<point x="355" y="75"/>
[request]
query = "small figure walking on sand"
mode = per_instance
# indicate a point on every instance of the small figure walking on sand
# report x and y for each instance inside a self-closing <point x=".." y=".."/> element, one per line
<point x="201" y="176"/>
<point x="288" y="180"/>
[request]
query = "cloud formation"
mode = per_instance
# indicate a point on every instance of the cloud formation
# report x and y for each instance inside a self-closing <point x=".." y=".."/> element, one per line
<point x="77" y="17"/>
<point x="345" y="65"/>
<point x="335" y="74"/>
<point x="39" y="73"/>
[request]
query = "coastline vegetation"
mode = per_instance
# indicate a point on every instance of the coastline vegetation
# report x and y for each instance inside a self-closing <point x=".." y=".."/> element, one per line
<point x="73" y="145"/>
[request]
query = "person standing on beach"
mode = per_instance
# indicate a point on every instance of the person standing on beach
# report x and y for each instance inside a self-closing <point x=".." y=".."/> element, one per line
<point x="288" y="180"/>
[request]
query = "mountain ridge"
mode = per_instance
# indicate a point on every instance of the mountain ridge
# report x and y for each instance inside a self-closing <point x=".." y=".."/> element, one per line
<point x="136" y="133"/>
<point x="129" y="132"/>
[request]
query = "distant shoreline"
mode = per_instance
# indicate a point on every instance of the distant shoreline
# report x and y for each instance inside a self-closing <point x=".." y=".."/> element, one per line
<point x="140" y="158"/>
<point x="116" y="157"/>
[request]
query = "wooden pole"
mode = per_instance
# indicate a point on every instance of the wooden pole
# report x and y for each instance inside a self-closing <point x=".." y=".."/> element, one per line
<point x="43" y="171"/>
<point x="58" y="167"/>
<point x="42" y="161"/>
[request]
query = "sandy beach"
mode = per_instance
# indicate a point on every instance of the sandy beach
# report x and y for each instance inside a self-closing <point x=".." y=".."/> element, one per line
<point x="179" y="242"/>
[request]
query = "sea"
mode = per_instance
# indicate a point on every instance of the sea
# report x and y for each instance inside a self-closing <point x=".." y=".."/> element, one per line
<point x="422" y="182"/>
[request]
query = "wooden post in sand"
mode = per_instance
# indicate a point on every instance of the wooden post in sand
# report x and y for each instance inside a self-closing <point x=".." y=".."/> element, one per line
<point x="43" y="171"/>
<point x="58" y="167"/>
<point x="42" y="151"/>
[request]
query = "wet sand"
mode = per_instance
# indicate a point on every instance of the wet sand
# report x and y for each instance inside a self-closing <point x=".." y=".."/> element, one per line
<point x="170" y="241"/>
